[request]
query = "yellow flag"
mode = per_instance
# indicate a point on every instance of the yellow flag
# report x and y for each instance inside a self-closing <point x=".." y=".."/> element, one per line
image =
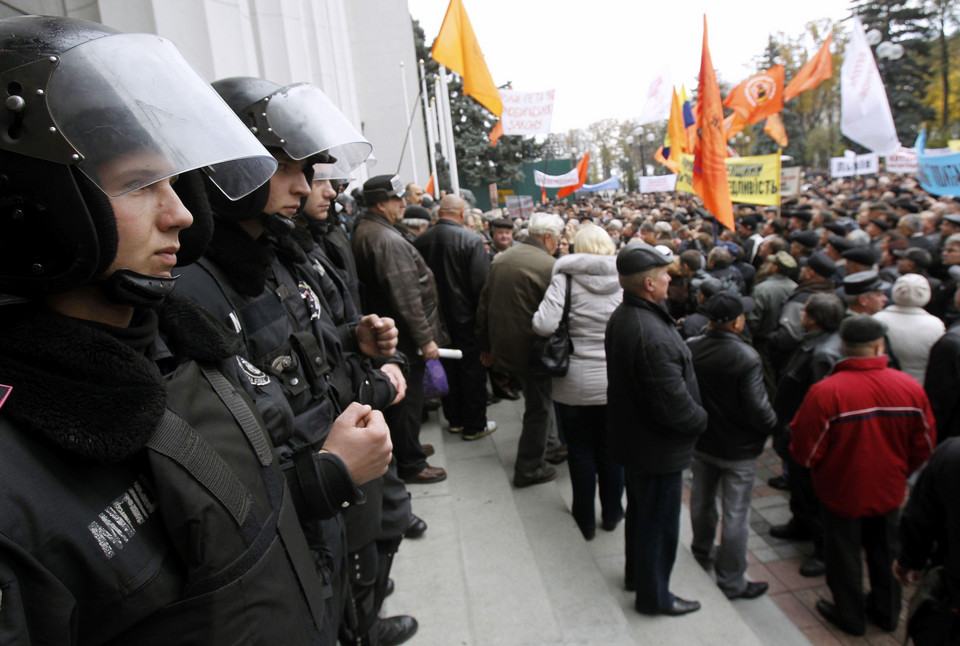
<point x="456" y="47"/>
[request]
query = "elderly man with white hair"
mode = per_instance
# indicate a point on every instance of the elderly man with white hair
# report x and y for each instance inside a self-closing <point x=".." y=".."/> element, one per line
<point x="518" y="279"/>
<point x="912" y="331"/>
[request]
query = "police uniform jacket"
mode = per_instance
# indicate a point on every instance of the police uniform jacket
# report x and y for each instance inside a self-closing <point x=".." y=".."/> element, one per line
<point x="140" y="499"/>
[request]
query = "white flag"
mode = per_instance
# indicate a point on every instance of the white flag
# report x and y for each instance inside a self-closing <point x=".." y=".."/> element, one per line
<point x="865" y="111"/>
<point x="659" y="96"/>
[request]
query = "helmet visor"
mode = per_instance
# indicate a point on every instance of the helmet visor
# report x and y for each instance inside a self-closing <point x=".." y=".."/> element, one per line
<point x="137" y="113"/>
<point x="307" y="123"/>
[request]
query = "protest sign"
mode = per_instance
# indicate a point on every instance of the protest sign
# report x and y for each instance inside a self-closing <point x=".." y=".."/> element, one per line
<point x="850" y="165"/>
<point x="902" y="161"/>
<point x="790" y="181"/>
<point x="570" y="178"/>
<point x="752" y="180"/>
<point x="658" y="184"/>
<point x="526" y="113"/>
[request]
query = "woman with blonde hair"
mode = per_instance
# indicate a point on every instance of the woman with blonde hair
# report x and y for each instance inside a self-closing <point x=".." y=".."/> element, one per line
<point x="581" y="395"/>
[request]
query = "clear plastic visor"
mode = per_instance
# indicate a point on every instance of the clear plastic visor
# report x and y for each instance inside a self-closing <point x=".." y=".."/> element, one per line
<point x="308" y="123"/>
<point x="137" y="113"/>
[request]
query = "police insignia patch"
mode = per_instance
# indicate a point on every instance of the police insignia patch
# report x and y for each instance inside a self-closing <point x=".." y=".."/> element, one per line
<point x="4" y="393"/>
<point x="313" y="304"/>
<point x="253" y="374"/>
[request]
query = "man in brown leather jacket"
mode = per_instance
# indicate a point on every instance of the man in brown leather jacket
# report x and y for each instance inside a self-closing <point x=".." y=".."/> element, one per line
<point x="397" y="281"/>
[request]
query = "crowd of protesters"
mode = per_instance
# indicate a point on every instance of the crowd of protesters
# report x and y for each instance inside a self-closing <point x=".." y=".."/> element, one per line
<point x="840" y="300"/>
<point x="256" y="384"/>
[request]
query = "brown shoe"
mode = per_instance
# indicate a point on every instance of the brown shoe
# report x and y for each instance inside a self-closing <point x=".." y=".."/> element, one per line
<point x="427" y="476"/>
<point x="428" y="449"/>
<point x="543" y="474"/>
<point x="557" y="455"/>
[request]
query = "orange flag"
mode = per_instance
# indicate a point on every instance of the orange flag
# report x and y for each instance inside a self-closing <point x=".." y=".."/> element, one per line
<point x="582" y="166"/>
<point x="675" y="130"/>
<point x="819" y="68"/>
<point x="669" y="163"/>
<point x="496" y="133"/>
<point x="429" y="189"/>
<point x="456" y="47"/>
<point x="543" y="195"/>
<point x="733" y="124"/>
<point x="709" y="167"/>
<point x="759" y="96"/>
<point x="775" y="130"/>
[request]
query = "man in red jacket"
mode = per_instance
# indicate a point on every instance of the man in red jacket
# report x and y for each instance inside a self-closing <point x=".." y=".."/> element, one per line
<point x="862" y="431"/>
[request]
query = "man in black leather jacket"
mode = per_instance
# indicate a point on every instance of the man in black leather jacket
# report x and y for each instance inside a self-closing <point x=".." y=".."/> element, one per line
<point x="460" y="265"/>
<point x="740" y="418"/>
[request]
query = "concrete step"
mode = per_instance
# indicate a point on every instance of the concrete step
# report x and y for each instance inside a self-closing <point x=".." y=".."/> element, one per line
<point x="503" y="566"/>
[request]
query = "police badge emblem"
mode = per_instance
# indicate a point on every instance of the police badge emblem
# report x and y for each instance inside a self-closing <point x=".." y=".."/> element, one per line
<point x="313" y="304"/>
<point x="253" y="374"/>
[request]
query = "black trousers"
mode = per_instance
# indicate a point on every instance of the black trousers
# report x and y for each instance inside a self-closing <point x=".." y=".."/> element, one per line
<point x="843" y="539"/>
<point x="404" y="420"/>
<point x="466" y="405"/>
<point x="652" y="531"/>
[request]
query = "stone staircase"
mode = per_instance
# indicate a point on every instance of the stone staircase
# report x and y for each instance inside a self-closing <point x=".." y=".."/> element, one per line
<point x="500" y="566"/>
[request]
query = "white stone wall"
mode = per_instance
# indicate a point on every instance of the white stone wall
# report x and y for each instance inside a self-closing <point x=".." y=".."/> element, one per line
<point x="349" y="48"/>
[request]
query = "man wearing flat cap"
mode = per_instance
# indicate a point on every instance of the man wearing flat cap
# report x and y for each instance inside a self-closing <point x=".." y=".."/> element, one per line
<point x="862" y="258"/>
<point x="654" y="417"/>
<point x="740" y="419"/>
<point x="398" y="283"/>
<point x="862" y="431"/>
<point x="816" y="277"/>
<point x="865" y="292"/>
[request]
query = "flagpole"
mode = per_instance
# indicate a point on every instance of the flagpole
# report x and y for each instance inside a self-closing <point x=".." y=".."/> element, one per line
<point x="431" y="143"/>
<point x="406" y="112"/>
<point x="448" y="122"/>
<point x="441" y="126"/>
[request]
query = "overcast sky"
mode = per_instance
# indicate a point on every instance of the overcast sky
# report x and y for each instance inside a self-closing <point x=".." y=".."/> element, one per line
<point x="600" y="55"/>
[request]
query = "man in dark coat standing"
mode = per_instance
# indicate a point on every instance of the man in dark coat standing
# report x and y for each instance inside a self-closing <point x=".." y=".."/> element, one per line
<point x="654" y="417"/>
<point x="460" y="265"/>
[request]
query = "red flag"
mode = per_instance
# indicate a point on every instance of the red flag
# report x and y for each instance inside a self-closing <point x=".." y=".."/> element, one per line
<point x="429" y="189"/>
<point x="709" y="167"/>
<point x="759" y="96"/>
<point x="496" y="133"/>
<point x="819" y="68"/>
<point x="582" y="166"/>
<point x="543" y="195"/>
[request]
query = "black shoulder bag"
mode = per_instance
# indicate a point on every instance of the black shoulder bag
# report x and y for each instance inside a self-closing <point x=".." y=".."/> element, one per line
<point x="551" y="355"/>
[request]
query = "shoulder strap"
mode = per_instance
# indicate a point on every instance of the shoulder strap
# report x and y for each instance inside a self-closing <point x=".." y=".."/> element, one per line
<point x="566" y="302"/>
<point x="178" y="441"/>
<point x="241" y="412"/>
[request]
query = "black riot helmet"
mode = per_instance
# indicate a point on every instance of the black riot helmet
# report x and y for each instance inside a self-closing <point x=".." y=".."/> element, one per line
<point x="298" y="120"/>
<point x="81" y="100"/>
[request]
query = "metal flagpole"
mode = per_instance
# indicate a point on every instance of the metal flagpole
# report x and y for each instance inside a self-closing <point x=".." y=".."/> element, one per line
<point x="406" y="112"/>
<point x="431" y="141"/>
<point x="441" y="132"/>
<point x="452" y="159"/>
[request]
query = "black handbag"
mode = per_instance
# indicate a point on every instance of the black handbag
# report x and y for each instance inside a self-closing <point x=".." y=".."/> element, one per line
<point x="551" y="355"/>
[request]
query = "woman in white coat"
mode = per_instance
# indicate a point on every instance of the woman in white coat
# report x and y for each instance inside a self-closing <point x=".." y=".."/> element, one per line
<point x="581" y="395"/>
<point x="911" y="330"/>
